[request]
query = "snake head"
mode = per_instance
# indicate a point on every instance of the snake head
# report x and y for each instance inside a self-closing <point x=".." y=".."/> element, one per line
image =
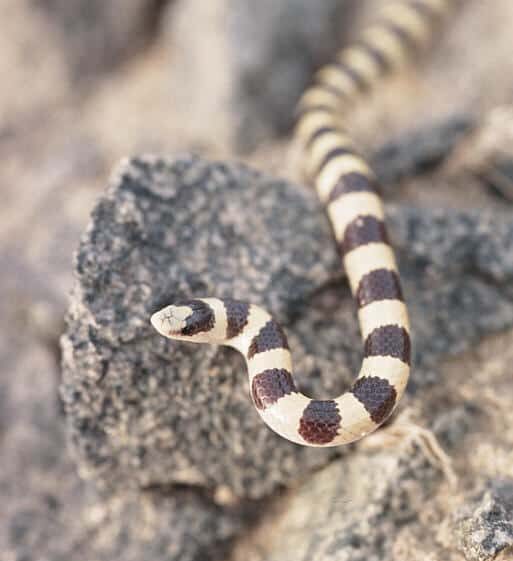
<point x="184" y="320"/>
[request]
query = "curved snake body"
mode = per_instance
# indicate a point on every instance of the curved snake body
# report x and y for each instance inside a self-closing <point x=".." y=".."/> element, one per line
<point x="347" y="188"/>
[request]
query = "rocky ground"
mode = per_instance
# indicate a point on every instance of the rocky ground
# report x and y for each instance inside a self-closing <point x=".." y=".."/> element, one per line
<point x="117" y="444"/>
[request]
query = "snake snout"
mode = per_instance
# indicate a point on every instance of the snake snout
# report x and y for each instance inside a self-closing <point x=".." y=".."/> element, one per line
<point x="184" y="320"/>
<point x="169" y="321"/>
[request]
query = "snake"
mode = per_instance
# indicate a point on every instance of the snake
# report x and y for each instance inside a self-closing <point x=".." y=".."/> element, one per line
<point x="349" y="192"/>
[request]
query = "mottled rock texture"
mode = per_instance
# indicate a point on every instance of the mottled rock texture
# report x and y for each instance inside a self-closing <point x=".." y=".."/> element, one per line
<point x="485" y="523"/>
<point x="351" y="511"/>
<point x="164" y="231"/>
<point x="48" y="513"/>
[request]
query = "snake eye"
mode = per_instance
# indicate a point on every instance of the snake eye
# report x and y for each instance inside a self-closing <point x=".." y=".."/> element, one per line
<point x="200" y="319"/>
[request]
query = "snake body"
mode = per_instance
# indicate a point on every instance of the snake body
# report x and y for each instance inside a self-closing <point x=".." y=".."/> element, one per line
<point x="348" y="190"/>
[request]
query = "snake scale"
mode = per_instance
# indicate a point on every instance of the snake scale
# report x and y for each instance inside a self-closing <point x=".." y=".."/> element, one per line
<point x="348" y="190"/>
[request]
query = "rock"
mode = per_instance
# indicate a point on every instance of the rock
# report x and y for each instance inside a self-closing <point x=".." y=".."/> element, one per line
<point x="182" y="526"/>
<point x="98" y="35"/>
<point x="350" y="511"/>
<point x="421" y="150"/>
<point x="145" y="412"/>
<point x="275" y="48"/>
<point x="484" y="525"/>
<point x="455" y="268"/>
<point x="48" y="512"/>
<point x="454" y="423"/>
<point x="487" y="153"/>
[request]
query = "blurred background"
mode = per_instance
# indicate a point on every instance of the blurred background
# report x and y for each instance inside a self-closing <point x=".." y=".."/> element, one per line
<point x="86" y="83"/>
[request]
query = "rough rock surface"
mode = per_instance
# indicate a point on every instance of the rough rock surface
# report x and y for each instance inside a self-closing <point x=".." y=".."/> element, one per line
<point x="275" y="48"/>
<point x="457" y="268"/>
<point x="350" y="511"/>
<point x="386" y="502"/>
<point x="48" y="513"/>
<point x="377" y="507"/>
<point x="485" y="523"/>
<point x="146" y="411"/>
<point x="421" y="150"/>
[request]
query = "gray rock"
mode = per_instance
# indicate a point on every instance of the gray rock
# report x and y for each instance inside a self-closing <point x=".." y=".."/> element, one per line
<point x="48" y="512"/>
<point x="97" y="35"/>
<point x="350" y="511"/>
<point x="179" y="526"/>
<point x="456" y="269"/>
<point x="453" y="424"/>
<point x="276" y="47"/>
<point x="484" y="525"/>
<point x="144" y="411"/>
<point x="420" y="150"/>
